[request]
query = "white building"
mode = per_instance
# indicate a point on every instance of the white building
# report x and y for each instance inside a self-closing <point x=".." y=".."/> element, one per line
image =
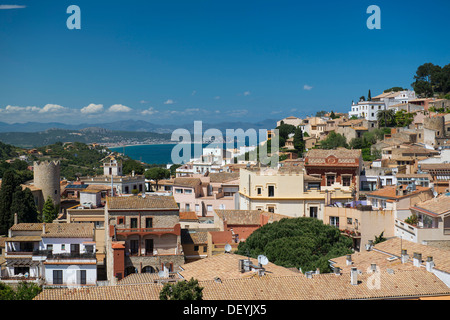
<point x="369" y="109"/>
<point x="55" y="254"/>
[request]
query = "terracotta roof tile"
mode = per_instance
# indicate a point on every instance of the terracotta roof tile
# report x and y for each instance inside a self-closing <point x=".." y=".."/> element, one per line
<point x="149" y="202"/>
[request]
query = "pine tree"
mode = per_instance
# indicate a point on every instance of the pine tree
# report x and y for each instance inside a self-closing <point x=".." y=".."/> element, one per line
<point x="369" y="96"/>
<point x="10" y="185"/>
<point x="299" y="143"/>
<point x="49" y="212"/>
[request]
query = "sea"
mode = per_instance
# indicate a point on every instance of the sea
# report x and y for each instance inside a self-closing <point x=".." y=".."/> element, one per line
<point x="154" y="153"/>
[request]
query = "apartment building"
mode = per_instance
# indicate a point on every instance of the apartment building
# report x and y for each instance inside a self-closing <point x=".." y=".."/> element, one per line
<point x="52" y="254"/>
<point x="288" y="191"/>
<point x="144" y="235"/>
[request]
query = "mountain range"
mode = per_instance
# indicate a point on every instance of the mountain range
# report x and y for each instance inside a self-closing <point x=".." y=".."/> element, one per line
<point x="134" y="126"/>
<point x="125" y="132"/>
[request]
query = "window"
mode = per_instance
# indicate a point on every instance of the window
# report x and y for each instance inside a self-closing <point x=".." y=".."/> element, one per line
<point x="313" y="212"/>
<point x="133" y="223"/>
<point x="195" y="248"/>
<point x="346" y="181"/>
<point x="63" y="247"/>
<point x="134" y="246"/>
<point x="259" y="191"/>
<point x="271" y="209"/>
<point x="334" y="221"/>
<point x="74" y="248"/>
<point x="121" y="220"/>
<point x="50" y="248"/>
<point x="271" y="191"/>
<point x="188" y="191"/>
<point x="187" y="207"/>
<point x="197" y="208"/>
<point x="57" y="277"/>
<point x="82" y="276"/>
<point x="178" y="190"/>
<point x="205" y="248"/>
<point x="89" y="248"/>
<point x="209" y="208"/>
<point x="389" y="182"/>
<point x="149" y="223"/>
<point x="349" y="221"/>
<point x="330" y="180"/>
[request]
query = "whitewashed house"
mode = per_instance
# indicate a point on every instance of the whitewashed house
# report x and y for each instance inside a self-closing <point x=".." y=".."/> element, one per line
<point x="54" y="254"/>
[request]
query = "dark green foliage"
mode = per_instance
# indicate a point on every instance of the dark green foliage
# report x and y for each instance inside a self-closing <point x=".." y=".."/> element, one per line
<point x="299" y="143"/>
<point x="321" y="113"/>
<point x="394" y="89"/>
<point x="284" y="130"/>
<point x="304" y="243"/>
<point x="10" y="190"/>
<point x="386" y="118"/>
<point x="130" y="165"/>
<point x="432" y="80"/>
<point x="182" y="290"/>
<point x="403" y="118"/>
<point x="24" y="291"/>
<point x="333" y="140"/>
<point x="379" y="238"/>
<point x="49" y="212"/>
<point x="157" y="174"/>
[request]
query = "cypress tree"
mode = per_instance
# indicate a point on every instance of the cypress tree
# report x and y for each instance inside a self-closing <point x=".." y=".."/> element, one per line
<point x="49" y="212"/>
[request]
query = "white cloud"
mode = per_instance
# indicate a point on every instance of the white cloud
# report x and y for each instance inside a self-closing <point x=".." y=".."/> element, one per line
<point x="15" y="109"/>
<point x="216" y="97"/>
<point x="92" y="108"/>
<point x="52" y="108"/>
<point x="237" y="113"/>
<point x="143" y="101"/>
<point x="169" y="101"/>
<point x="149" y="111"/>
<point x="307" y="87"/>
<point x="247" y="93"/>
<point x="119" y="108"/>
<point x="194" y="93"/>
<point x="11" y="6"/>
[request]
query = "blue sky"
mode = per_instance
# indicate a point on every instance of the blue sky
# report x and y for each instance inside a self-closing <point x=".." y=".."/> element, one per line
<point x="180" y="61"/>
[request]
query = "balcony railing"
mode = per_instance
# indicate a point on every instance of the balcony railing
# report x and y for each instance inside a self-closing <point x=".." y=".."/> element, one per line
<point x="64" y="256"/>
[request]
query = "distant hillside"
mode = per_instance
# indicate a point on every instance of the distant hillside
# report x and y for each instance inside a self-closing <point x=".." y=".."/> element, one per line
<point x="87" y="135"/>
<point x="134" y="126"/>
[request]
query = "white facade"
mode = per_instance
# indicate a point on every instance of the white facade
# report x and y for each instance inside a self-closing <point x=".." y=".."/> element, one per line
<point x="367" y="109"/>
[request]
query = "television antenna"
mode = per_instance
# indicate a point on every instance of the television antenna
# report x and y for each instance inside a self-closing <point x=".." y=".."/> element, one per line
<point x="263" y="260"/>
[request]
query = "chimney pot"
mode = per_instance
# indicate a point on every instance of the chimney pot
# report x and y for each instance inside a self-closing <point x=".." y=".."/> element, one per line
<point x="417" y="260"/>
<point x="349" y="259"/>
<point x="429" y="264"/>
<point x="405" y="256"/>
<point x="373" y="267"/>
<point x="354" y="276"/>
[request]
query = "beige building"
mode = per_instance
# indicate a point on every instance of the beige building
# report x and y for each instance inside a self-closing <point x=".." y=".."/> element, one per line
<point x="287" y="191"/>
<point x="433" y="222"/>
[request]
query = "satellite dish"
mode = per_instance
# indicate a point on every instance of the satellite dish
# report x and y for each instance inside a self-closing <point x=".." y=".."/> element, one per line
<point x="227" y="248"/>
<point x="263" y="260"/>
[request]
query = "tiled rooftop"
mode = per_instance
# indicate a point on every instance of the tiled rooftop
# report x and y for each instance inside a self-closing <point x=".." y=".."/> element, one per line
<point x="58" y="230"/>
<point x="149" y="202"/>
<point x="401" y="284"/>
<point x="438" y="205"/>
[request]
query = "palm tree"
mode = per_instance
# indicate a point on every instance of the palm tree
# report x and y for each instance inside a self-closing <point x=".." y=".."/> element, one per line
<point x="387" y="117"/>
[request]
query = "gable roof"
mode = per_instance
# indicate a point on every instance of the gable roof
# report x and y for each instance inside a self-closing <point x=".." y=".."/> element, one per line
<point x="150" y="202"/>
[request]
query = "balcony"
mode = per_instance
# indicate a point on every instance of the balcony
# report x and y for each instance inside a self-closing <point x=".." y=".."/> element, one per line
<point x="421" y="233"/>
<point x="176" y="230"/>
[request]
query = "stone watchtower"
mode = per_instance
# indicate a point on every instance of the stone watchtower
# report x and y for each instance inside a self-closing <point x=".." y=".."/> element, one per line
<point x="47" y="178"/>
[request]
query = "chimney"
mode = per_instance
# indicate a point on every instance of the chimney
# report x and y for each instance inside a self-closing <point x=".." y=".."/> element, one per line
<point x="349" y="260"/>
<point x="405" y="256"/>
<point x="354" y="276"/>
<point x="43" y="228"/>
<point x="337" y="271"/>
<point x="430" y="264"/>
<point x="317" y="271"/>
<point x="308" y="274"/>
<point x="373" y="267"/>
<point x="417" y="259"/>
<point x="369" y="245"/>
<point x="15" y="218"/>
